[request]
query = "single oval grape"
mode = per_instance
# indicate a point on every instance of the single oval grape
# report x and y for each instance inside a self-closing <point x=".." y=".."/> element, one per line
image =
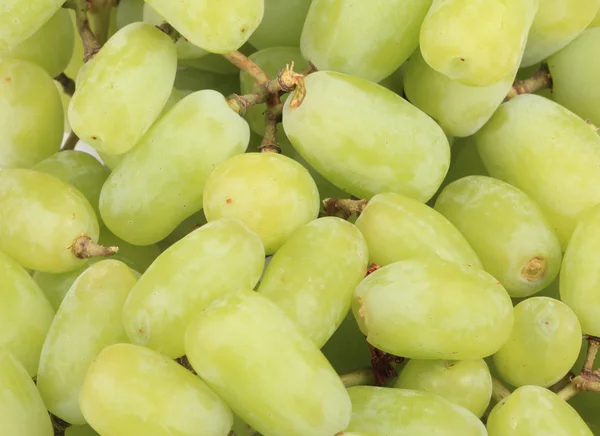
<point x="17" y="23"/>
<point x="281" y="25"/>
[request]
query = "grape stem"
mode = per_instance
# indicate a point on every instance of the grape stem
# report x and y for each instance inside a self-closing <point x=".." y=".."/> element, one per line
<point x="343" y="207"/>
<point x="100" y="11"/>
<point x="244" y="63"/>
<point x="542" y="79"/>
<point x="169" y="30"/>
<point x="588" y="380"/>
<point x="67" y="83"/>
<point x="272" y="119"/>
<point x="70" y="142"/>
<point x="359" y="377"/>
<point x="83" y="247"/>
<point x="183" y="361"/>
<point x="91" y="46"/>
<point x="499" y="391"/>
<point x="58" y="425"/>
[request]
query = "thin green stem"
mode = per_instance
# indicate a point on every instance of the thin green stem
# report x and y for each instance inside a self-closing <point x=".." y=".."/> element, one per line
<point x="99" y="15"/>
<point x="360" y="377"/>
<point x="244" y="63"/>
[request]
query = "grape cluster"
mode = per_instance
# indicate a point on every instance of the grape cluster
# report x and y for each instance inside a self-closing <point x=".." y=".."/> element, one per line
<point x="299" y="217"/>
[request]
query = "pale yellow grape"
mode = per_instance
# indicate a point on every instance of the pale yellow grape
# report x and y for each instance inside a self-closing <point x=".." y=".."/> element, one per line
<point x="123" y="88"/>
<point x="22" y="411"/>
<point x="557" y="23"/>
<point x="476" y="42"/>
<point x="213" y="25"/>
<point x="399" y="412"/>
<point x="575" y="71"/>
<point x="547" y="152"/>
<point x="313" y="275"/>
<point x="532" y="410"/>
<point x="221" y="257"/>
<point x="399" y="228"/>
<point x="365" y="39"/>
<point x="460" y="312"/>
<point x="19" y="20"/>
<point x="40" y="216"/>
<point x="160" y="182"/>
<point x="543" y="346"/>
<point x="459" y="109"/>
<point x="238" y="345"/>
<point x="596" y="21"/>
<point x="467" y="383"/>
<point x="281" y="25"/>
<point x="80" y="430"/>
<point x="88" y="320"/>
<point x="507" y="230"/>
<point x="28" y="97"/>
<point x="56" y="286"/>
<point x="365" y="139"/>
<point x="25" y="314"/>
<point x="271" y="193"/>
<point x="131" y="390"/>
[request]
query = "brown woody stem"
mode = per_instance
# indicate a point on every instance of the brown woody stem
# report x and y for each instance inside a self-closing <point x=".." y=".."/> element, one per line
<point x="360" y="377"/>
<point x="169" y="30"/>
<point x="91" y="46"/>
<point x="272" y="119"/>
<point x="542" y="79"/>
<point x="83" y="247"/>
<point x="343" y="207"/>
<point x="499" y="391"/>
<point x="244" y="63"/>
<point x="588" y="380"/>
<point x="70" y="142"/>
<point x="67" y="83"/>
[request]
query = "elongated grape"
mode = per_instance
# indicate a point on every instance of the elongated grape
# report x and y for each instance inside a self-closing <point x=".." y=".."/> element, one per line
<point x="532" y="410"/>
<point x="56" y="286"/>
<point x="304" y="397"/>
<point x="88" y="320"/>
<point x="460" y="312"/>
<point x="131" y="390"/>
<point x="364" y="39"/>
<point x="218" y="258"/>
<point x="478" y="43"/>
<point x="516" y="243"/>
<point x="313" y="275"/>
<point x="28" y="97"/>
<point x="347" y="350"/>
<point x="596" y="21"/>
<point x="112" y="115"/>
<point x="398" y="412"/>
<point x="459" y="109"/>
<point x="557" y="23"/>
<point x="271" y="193"/>
<point x="212" y="25"/>
<point x="19" y="21"/>
<point x="22" y="411"/>
<point x="365" y="139"/>
<point x="175" y="161"/>
<point x="547" y="152"/>
<point x="281" y="25"/>
<point x="40" y="216"/>
<point x="25" y="314"/>
<point x="399" y="228"/>
<point x="575" y="71"/>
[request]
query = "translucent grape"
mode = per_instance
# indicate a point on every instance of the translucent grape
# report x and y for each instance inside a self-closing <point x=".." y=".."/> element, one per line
<point x="365" y="139"/>
<point x="347" y="349"/>
<point x="129" y="11"/>
<point x="395" y="81"/>
<point x="596" y="21"/>
<point x="215" y="26"/>
<point x="271" y="193"/>
<point x="364" y="39"/>
<point x="56" y="286"/>
<point x="515" y="243"/>
<point x="88" y="320"/>
<point x="112" y="115"/>
<point x="478" y="43"/>
<point x="399" y="412"/>
<point x="40" y="216"/>
<point x="28" y="97"/>
<point x="460" y="312"/>
<point x="281" y="25"/>
<point x="19" y="21"/>
<point x="547" y="152"/>
<point x="131" y="390"/>
<point x="304" y="397"/>
<point x="175" y="162"/>
<point x="399" y="228"/>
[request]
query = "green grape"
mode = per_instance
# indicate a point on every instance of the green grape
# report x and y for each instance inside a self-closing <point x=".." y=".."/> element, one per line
<point x="80" y="430"/>
<point x="281" y="25"/>
<point x="175" y="161"/>
<point x="88" y="320"/>
<point x="543" y="346"/>
<point x="399" y="228"/>
<point x="314" y="273"/>
<point x="22" y="411"/>
<point x="215" y="26"/>
<point x="271" y="61"/>
<point x="477" y="43"/>
<point x="532" y="410"/>
<point x="123" y="89"/>
<point x="19" y="21"/>
<point x="245" y="333"/>
<point x="56" y="286"/>
<point x="547" y="152"/>
<point x="459" y="312"/>
<point x="131" y="390"/>
<point x="138" y="258"/>
<point x="221" y="257"/>
<point x="184" y="228"/>
<point x="347" y="350"/>
<point x="190" y="79"/>
<point x="51" y="47"/>
<point x="364" y="138"/>
<point x="395" y="81"/>
<point x="76" y="61"/>
<point x="129" y="11"/>
<point x="364" y="39"/>
<point x="516" y="243"/>
<point x="271" y="193"/>
<point x="596" y="21"/>
<point x="467" y="383"/>
<point x="459" y="109"/>
<point x="28" y="97"/>
<point x="557" y="23"/>
<point x="25" y="314"/>
<point x="399" y="412"/>
<point x="40" y="216"/>
<point x="575" y="71"/>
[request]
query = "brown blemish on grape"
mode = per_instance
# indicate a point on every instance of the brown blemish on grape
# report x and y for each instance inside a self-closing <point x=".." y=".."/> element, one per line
<point x="372" y="268"/>
<point x="228" y="200"/>
<point x="547" y="322"/>
<point x="535" y="269"/>
<point x="140" y="330"/>
<point x="243" y="29"/>
<point x="94" y="137"/>
<point x="7" y="79"/>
